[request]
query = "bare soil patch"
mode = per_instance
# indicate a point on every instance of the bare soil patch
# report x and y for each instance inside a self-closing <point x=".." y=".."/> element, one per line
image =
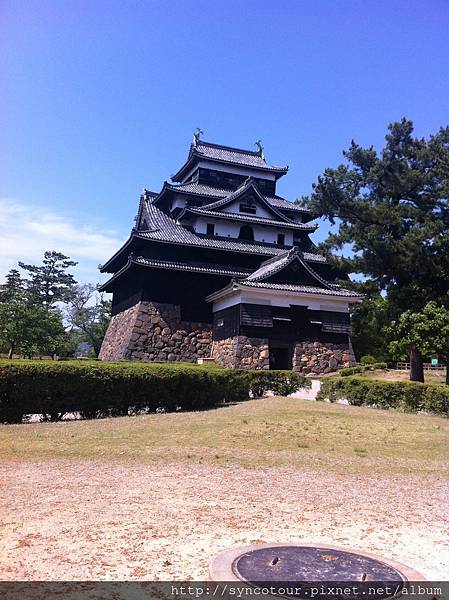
<point x="156" y="497"/>
<point x="96" y="520"/>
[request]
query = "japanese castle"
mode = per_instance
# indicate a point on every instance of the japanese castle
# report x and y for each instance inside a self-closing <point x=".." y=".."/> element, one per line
<point x="219" y="266"/>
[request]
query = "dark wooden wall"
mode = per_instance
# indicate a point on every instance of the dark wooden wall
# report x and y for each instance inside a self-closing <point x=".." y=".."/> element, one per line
<point x="262" y="321"/>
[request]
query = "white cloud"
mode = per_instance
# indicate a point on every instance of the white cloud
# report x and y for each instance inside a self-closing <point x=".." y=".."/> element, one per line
<point x="26" y="231"/>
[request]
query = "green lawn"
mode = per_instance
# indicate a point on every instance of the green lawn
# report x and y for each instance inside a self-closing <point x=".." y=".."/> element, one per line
<point x="257" y="433"/>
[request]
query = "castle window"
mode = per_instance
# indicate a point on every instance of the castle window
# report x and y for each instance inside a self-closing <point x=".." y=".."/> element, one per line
<point x="248" y="206"/>
<point x="281" y="239"/>
<point x="246" y="233"/>
<point x="210" y="229"/>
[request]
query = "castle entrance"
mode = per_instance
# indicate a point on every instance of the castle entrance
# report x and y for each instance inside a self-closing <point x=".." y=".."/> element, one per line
<point x="280" y="355"/>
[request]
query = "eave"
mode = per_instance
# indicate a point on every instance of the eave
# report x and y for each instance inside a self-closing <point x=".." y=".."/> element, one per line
<point x="195" y="157"/>
<point x="140" y="261"/>
<point x="245" y="219"/>
<point x="254" y="248"/>
<point x="303" y="291"/>
<point x="104" y="268"/>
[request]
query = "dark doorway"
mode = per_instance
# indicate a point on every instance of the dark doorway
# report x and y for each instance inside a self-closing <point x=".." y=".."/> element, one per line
<point x="280" y="357"/>
<point x="246" y="233"/>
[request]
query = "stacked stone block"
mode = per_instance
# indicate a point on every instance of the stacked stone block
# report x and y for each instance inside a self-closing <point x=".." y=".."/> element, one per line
<point x="155" y="332"/>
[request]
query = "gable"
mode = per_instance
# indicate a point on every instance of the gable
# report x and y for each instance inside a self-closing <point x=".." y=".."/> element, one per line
<point x="249" y="204"/>
<point x="251" y="199"/>
<point x="288" y="268"/>
<point x="295" y="273"/>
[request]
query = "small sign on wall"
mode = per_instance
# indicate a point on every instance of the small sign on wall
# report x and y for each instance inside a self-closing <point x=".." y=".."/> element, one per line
<point x="434" y="362"/>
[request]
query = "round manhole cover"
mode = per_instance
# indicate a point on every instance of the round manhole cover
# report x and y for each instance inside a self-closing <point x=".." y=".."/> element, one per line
<point x="314" y="571"/>
<point x="308" y="563"/>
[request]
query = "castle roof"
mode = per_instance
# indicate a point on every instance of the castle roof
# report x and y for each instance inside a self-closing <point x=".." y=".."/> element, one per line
<point x="278" y="263"/>
<point x="163" y="228"/>
<point x="193" y="188"/>
<point x="216" y="214"/>
<point x="189" y="267"/>
<point x="288" y="287"/>
<point x="228" y="155"/>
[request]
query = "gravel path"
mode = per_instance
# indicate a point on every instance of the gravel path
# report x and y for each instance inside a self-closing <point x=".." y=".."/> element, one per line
<point x="102" y="520"/>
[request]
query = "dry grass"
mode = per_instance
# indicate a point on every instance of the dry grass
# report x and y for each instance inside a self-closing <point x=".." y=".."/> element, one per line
<point x="436" y="377"/>
<point x="258" y="433"/>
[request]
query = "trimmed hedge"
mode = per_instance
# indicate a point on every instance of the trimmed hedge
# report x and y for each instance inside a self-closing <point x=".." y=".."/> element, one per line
<point x="99" y="389"/>
<point x="367" y="359"/>
<point x="362" y="368"/>
<point x="281" y="383"/>
<point x="408" y="396"/>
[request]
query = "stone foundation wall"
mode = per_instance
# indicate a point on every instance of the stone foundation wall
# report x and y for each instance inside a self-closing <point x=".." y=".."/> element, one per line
<point x="241" y="352"/>
<point x="117" y="340"/>
<point x="153" y="331"/>
<point x="320" y="357"/>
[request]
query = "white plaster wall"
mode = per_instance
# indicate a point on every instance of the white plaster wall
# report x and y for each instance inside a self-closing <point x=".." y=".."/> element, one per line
<point x="178" y="201"/>
<point x="260" y="211"/>
<point x="231" y="229"/>
<point x="283" y="299"/>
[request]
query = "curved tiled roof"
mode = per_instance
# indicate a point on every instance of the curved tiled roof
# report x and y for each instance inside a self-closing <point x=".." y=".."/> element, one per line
<point x="227" y="155"/>
<point x="274" y="265"/>
<point x="201" y="189"/>
<point x="290" y="287"/>
<point x="237" y="156"/>
<point x="191" y="267"/>
<point x="203" y="211"/>
<point x="247" y="185"/>
<point x="164" y="228"/>
<point x="213" y="269"/>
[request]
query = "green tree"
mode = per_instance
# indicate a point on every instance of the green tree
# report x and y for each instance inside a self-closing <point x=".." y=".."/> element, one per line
<point x="392" y="210"/>
<point x="438" y="316"/>
<point x="427" y="330"/>
<point x="89" y="315"/>
<point x="50" y="282"/>
<point x="368" y="320"/>
<point x="28" y="330"/>
<point x="14" y="287"/>
<point x="412" y="334"/>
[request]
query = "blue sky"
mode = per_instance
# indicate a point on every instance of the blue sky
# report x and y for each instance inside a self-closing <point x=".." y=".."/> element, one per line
<point x="100" y="99"/>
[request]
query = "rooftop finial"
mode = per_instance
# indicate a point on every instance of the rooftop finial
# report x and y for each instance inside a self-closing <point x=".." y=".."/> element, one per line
<point x="258" y="143"/>
<point x="196" y="135"/>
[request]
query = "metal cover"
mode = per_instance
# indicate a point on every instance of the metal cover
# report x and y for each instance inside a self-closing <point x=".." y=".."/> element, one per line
<point x="308" y="564"/>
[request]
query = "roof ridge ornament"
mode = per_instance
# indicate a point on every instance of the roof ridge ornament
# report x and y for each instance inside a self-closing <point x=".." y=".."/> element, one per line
<point x="258" y="143"/>
<point x="196" y="136"/>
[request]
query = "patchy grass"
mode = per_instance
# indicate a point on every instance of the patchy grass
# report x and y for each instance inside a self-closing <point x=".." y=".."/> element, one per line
<point x="436" y="377"/>
<point x="257" y="433"/>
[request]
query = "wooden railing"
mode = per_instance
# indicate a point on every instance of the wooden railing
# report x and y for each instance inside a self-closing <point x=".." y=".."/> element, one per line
<point x="427" y="367"/>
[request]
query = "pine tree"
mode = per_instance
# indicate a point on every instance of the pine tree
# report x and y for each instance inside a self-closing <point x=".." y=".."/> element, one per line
<point x="50" y="282"/>
<point x="13" y="290"/>
<point x="392" y="209"/>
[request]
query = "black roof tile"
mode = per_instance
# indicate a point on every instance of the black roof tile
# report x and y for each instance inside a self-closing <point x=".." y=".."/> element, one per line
<point x="162" y="227"/>
<point x="226" y="155"/>
<point x="203" y="211"/>
<point x="200" y="189"/>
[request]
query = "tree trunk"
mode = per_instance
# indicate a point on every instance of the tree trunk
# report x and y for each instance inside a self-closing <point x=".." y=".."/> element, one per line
<point x="11" y="351"/>
<point x="416" y="365"/>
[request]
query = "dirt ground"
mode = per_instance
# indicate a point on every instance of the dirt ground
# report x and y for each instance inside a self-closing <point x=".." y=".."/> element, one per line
<point x="87" y="519"/>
